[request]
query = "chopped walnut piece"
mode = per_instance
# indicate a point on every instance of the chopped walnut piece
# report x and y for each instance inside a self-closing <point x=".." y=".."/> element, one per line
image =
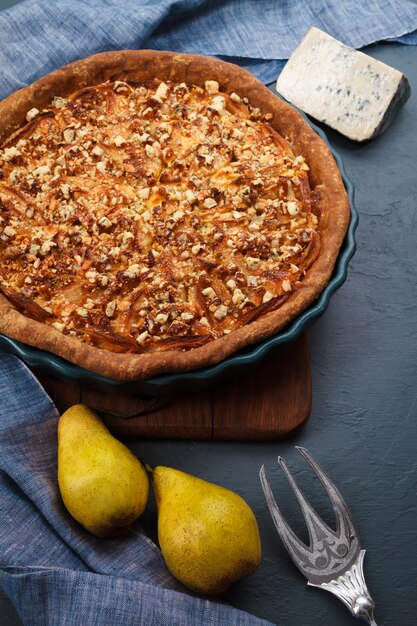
<point x="69" y="135"/>
<point x="111" y="308"/>
<point x="41" y="171"/>
<point x="119" y="140"/>
<point x="59" y="326"/>
<point x="120" y="86"/>
<point x="190" y="195"/>
<point x="162" y="92"/>
<point x="143" y="193"/>
<point x="142" y="337"/>
<point x="97" y="151"/>
<point x="9" y="231"/>
<point x="209" y="203"/>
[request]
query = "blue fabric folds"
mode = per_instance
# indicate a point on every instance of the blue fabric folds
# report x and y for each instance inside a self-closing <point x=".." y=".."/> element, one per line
<point x="37" y="37"/>
<point x="54" y="571"/>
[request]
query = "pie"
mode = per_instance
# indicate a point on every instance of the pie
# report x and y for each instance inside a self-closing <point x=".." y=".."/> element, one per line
<point x="159" y="212"/>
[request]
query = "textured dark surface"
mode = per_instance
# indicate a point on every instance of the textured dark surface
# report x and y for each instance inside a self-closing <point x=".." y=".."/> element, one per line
<point x="363" y="426"/>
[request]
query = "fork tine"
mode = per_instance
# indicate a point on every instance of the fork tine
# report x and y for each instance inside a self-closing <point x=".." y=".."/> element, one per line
<point x="298" y="551"/>
<point x="316" y="526"/>
<point x="344" y="521"/>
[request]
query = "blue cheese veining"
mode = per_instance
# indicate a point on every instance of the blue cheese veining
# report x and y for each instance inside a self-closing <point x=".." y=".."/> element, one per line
<point x="341" y="87"/>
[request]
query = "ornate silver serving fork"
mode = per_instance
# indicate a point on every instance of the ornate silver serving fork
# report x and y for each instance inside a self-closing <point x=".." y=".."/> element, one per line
<point x="334" y="558"/>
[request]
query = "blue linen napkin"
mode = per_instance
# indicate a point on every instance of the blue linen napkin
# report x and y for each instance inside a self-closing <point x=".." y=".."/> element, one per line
<point x="54" y="571"/>
<point x="37" y="37"/>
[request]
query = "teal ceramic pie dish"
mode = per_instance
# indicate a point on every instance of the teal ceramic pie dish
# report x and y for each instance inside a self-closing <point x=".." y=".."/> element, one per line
<point x="239" y="364"/>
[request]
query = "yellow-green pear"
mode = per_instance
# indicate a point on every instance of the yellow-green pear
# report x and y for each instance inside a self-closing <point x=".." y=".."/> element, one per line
<point x="103" y="485"/>
<point x="208" y="535"/>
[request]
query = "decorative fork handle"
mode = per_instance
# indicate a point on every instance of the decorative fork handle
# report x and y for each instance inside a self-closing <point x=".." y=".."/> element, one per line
<point x="351" y="589"/>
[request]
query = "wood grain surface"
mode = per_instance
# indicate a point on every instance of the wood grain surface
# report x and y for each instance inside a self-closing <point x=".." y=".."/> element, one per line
<point x="269" y="403"/>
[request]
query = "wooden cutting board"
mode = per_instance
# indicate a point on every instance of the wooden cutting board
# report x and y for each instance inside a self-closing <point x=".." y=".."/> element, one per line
<point x="269" y="403"/>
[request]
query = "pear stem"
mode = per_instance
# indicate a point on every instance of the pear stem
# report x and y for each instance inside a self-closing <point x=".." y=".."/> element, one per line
<point x="146" y="465"/>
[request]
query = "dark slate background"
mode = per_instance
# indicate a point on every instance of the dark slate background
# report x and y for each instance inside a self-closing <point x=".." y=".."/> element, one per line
<point x="363" y="425"/>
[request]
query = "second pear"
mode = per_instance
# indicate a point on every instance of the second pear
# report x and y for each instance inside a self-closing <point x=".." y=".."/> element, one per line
<point x="208" y="535"/>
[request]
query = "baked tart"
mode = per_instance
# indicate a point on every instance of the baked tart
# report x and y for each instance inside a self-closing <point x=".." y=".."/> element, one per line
<point x="159" y="212"/>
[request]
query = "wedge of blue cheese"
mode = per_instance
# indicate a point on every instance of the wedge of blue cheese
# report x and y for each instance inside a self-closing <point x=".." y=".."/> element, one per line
<point x="341" y="87"/>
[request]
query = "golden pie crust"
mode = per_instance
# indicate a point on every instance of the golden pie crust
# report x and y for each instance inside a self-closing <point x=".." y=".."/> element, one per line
<point x="159" y="212"/>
